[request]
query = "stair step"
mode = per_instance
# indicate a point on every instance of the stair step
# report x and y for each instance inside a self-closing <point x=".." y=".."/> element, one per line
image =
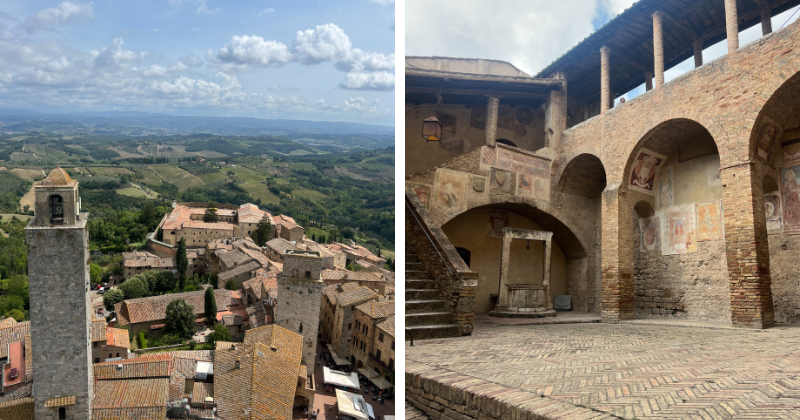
<point x="414" y="265"/>
<point x="417" y="274"/>
<point x="419" y="284"/>
<point x="425" y="332"/>
<point x="425" y="305"/>
<point x="429" y="318"/>
<point x="419" y="294"/>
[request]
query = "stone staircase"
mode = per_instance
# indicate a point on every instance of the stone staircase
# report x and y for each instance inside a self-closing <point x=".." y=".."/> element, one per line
<point x="427" y="315"/>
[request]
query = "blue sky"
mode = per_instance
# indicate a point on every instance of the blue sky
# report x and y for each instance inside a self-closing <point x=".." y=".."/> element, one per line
<point x="313" y="60"/>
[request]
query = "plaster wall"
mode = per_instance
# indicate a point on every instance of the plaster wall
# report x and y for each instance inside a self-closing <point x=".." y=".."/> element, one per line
<point x="469" y="231"/>
<point x="421" y="155"/>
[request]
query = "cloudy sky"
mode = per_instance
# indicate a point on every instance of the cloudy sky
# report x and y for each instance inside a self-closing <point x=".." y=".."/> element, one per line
<point x="527" y="33"/>
<point x="327" y="60"/>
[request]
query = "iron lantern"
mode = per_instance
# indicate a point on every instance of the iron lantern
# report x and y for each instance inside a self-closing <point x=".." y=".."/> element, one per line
<point x="431" y="129"/>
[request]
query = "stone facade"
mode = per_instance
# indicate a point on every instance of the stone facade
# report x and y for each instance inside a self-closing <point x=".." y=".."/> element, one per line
<point x="298" y="308"/>
<point x="60" y="308"/>
<point x="744" y="276"/>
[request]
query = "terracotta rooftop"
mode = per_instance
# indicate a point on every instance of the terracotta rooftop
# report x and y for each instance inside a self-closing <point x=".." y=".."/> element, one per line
<point x="387" y="325"/>
<point x="355" y="296"/>
<point x="281" y="245"/>
<point x="346" y="275"/>
<point x="375" y="309"/>
<point x="285" y="221"/>
<point x="266" y="278"/>
<point x="57" y="177"/>
<point x="250" y="213"/>
<point x="8" y="322"/>
<point x="99" y="329"/>
<point x="239" y="270"/>
<point x="19" y="409"/>
<point x="130" y="399"/>
<point x="59" y="401"/>
<point x="154" y="308"/>
<point x="13" y="334"/>
<point x="274" y="335"/>
<point x="118" y="337"/>
<point x="149" y="366"/>
<point x="201" y="390"/>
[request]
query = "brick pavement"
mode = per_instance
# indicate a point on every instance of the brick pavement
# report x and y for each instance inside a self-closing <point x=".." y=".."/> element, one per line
<point x="631" y="370"/>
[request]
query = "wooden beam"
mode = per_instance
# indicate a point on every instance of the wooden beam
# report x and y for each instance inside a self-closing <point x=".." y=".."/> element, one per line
<point x="476" y="92"/>
<point x="692" y="34"/>
<point x="482" y="78"/>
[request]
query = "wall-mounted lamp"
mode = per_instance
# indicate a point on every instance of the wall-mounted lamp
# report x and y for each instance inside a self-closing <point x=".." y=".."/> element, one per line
<point x="431" y="129"/>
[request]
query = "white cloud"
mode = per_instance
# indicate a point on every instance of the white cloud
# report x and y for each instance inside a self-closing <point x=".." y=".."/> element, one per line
<point x="67" y="13"/>
<point x="251" y="50"/>
<point x="615" y="7"/>
<point x="379" y="80"/>
<point x="283" y="87"/>
<point x="155" y="71"/>
<point x="202" y="7"/>
<point x="114" y="55"/>
<point x="326" y="42"/>
<point x="266" y="11"/>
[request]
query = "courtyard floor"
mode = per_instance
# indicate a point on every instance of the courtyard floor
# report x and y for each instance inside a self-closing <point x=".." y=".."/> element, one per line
<point x="644" y="369"/>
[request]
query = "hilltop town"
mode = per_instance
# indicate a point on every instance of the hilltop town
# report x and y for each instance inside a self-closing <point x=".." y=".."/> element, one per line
<point x="280" y="326"/>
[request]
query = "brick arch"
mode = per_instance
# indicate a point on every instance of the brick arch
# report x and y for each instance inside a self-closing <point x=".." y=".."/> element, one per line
<point x="584" y="174"/>
<point x="648" y="137"/>
<point x="540" y="212"/>
<point x="778" y="88"/>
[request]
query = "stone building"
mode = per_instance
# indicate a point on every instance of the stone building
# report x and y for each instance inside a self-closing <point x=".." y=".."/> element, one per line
<point x="340" y="307"/>
<point x="276" y="249"/>
<point x="678" y="203"/>
<point x="58" y="276"/>
<point x="137" y="262"/>
<point x="109" y="343"/>
<point x="287" y="228"/>
<point x="367" y="317"/>
<point x="382" y="357"/>
<point x="298" y="308"/>
<point x="373" y="281"/>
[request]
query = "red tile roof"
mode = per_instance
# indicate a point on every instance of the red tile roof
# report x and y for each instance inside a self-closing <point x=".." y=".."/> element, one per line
<point x="154" y="308"/>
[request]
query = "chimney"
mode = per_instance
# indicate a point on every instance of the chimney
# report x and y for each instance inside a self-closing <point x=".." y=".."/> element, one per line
<point x="238" y="364"/>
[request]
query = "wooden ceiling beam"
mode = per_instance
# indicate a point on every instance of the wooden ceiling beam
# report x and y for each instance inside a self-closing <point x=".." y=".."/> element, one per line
<point x="690" y="33"/>
<point x="475" y="92"/>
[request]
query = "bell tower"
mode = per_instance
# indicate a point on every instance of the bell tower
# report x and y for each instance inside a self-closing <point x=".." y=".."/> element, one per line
<point x="60" y="307"/>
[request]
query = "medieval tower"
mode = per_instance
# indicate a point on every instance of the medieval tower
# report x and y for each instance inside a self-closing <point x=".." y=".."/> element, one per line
<point x="300" y="287"/>
<point x="60" y="310"/>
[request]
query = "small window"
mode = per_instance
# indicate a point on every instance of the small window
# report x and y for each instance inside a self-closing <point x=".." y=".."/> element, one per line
<point x="378" y="355"/>
<point x="94" y="344"/>
<point x="117" y="354"/>
<point x="392" y="344"/>
<point x="380" y="337"/>
<point x="110" y="355"/>
<point x="391" y="364"/>
<point x="62" y="413"/>
<point x="301" y="327"/>
<point x="308" y="274"/>
<point x="97" y="360"/>
<point x="349" y="326"/>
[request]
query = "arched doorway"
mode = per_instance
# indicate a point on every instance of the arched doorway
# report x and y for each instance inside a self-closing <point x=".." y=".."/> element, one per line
<point x="477" y="230"/>
<point x="675" y="195"/>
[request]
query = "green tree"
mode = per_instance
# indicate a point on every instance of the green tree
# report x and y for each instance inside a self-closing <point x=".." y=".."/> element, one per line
<point x="112" y="297"/>
<point x="180" y="319"/>
<point x="18" y="286"/>
<point x="230" y="284"/>
<point x="261" y="234"/>
<point x="16" y="314"/>
<point x="210" y="306"/>
<point x="95" y="273"/>
<point x="211" y="214"/>
<point x="135" y="287"/>
<point x="220" y="333"/>
<point x="165" y="281"/>
<point x="147" y="216"/>
<point x="182" y="262"/>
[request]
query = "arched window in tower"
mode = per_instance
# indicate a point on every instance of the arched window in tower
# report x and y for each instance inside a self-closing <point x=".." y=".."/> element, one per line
<point x="56" y="209"/>
<point x="308" y="274"/>
<point x="301" y="327"/>
<point x="62" y="412"/>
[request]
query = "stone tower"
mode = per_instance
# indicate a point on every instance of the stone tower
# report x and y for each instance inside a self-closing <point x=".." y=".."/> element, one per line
<point x="300" y="288"/>
<point x="60" y="309"/>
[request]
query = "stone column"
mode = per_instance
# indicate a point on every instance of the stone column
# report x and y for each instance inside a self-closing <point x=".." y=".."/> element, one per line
<point x="658" y="48"/>
<point x="492" y="105"/>
<point x="605" y="89"/>
<point x="732" y="25"/>
<point x="648" y="80"/>
<point x="617" y="257"/>
<point x="766" y="21"/>
<point x="553" y="118"/>
<point x="505" y="256"/>
<point x="698" y="52"/>
<point x="747" y="248"/>
<point x="546" y="275"/>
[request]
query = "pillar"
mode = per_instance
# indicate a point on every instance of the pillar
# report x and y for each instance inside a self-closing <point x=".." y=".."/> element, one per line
<point x="648" y="80"/>
<point x="766" y="21"/>
<point x="554" y="118"/>
<point x="747" y="248"/>
<point x="732" y="25"/>
<point x="546" y="274"/>
<point x="492" y="105"/>
<point x="698" y="52"/>
<point x="616" y="293"/>
<point x="605" y="89"/>
<point x="505" y="256"/>
<point x="658" y="49"/>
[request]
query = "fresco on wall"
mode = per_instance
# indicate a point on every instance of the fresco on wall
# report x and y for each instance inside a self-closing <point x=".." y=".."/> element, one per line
<point x="541" y="188"/>
<point x="790" y="194"/>
<point x="765" y="139"/>
<point x="505" y="118"/>
<point x="715" y="178"/>
<point x="790" y="148"/>
<point x="525" y="185"/>
<point x="709" y="224"/>
<point x="450" y="193"/>
<point x="518" y="163"/>
<point x="488" y="158"/>
<point x="773" y="211"/>
<point x="505" y="159"/>
<point x="448" y="122"/>
<point x="678" y="227"/>
<point x="644" y="171"/>
<point x="665" y="195"/>
<point x="503" y="182"/>
<point x="423" y="192"/>
<point x="498" y="219"/>
<point x="650" y="231"/>
<point x="477" y="118"/>
<point x="476" y="192"/>
<point x="452" y="145"/>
